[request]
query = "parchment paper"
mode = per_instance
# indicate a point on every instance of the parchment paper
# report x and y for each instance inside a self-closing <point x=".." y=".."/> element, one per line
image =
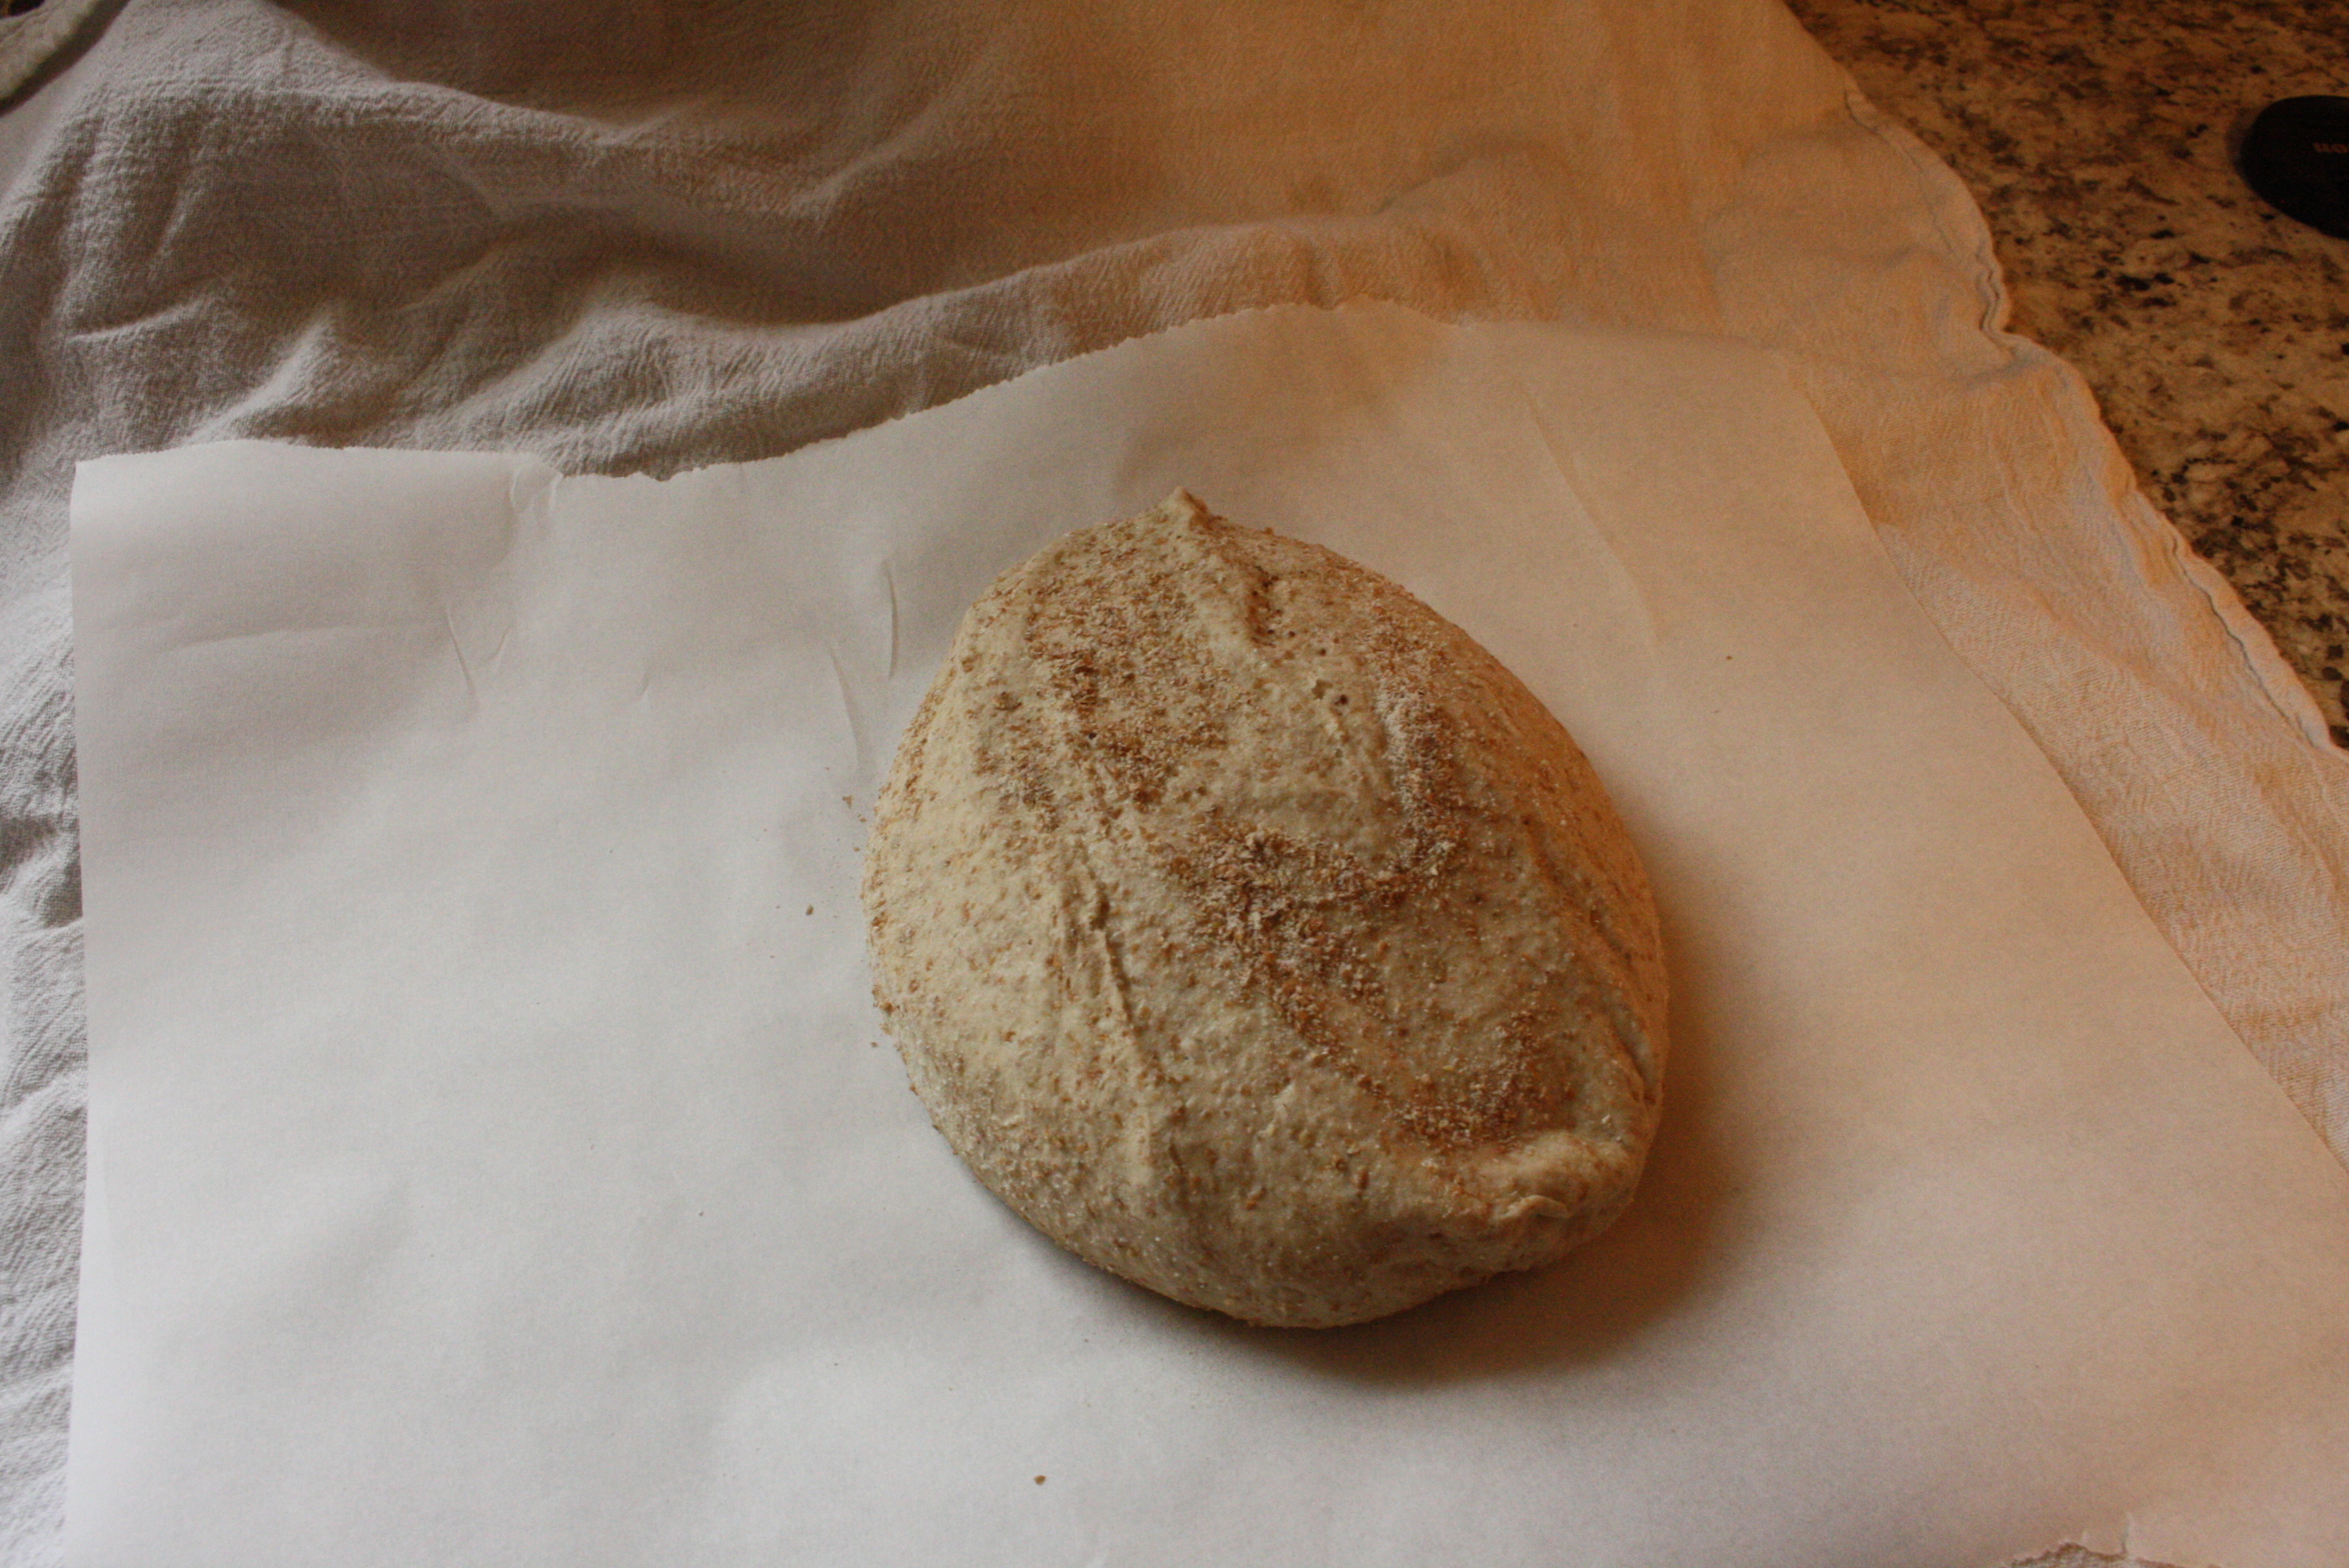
<point x="493" y="1161"/>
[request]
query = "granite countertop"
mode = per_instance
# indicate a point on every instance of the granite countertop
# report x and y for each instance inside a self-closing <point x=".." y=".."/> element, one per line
<point x="2097" y="137"/>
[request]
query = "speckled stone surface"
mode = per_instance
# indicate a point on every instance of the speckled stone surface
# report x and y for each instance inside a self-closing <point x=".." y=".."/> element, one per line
<point x="2097" y="136"/>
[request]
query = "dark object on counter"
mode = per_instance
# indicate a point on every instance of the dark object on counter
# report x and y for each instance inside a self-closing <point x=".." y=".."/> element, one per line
<point x="2296" y="156"/>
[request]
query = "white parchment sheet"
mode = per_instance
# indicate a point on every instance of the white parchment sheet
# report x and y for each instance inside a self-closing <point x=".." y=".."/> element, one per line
<point x="491" y="1162"/>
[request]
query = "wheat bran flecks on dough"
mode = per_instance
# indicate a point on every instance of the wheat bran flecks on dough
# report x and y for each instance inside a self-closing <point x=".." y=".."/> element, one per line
<point x="1257" y="935"/>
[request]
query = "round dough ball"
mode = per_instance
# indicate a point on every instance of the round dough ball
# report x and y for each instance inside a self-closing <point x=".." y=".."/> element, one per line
<point x="1257" y="935"/>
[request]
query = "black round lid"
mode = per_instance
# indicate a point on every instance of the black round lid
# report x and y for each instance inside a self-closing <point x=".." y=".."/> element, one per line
<point x="2296" y="155"/>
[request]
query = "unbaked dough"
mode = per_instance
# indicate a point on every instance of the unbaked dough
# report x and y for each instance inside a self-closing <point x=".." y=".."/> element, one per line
<point x="1254" y="933"/>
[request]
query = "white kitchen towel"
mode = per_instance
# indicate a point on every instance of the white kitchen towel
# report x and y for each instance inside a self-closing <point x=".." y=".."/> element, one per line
<point x="642" y="238"/>
<point x="31" y="38"/>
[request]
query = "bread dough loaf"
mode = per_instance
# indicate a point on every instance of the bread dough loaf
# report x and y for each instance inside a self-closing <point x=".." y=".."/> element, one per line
<point x="1257" y="935"/>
